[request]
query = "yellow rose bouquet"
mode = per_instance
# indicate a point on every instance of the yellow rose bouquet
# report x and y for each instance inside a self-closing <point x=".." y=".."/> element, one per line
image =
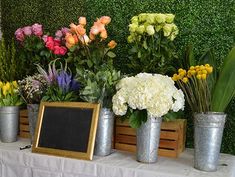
<point x="152" y="36"/>
<point x="9" y="94"/>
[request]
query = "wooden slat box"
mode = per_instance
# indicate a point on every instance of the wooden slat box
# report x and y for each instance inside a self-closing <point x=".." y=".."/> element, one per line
<point x="172" y="137"/>
<point x="24" y="124"/>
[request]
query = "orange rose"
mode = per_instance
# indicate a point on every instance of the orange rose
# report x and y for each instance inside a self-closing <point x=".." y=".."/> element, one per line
<point x="80" y="30"/>
<point x="103" y="34"/>
<point x="91" y="36"/>
<point x="72" y="27"/>
<point x="70" y="39"/>
<point x="105" y="20"/>
<point x="84" y="39"/>
<point x="94" y="30"/>
<point x="112" y="44"/>
<point x="82" y="21"/>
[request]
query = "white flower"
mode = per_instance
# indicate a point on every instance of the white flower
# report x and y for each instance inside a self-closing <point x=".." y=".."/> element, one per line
<point x="154" y="92"/>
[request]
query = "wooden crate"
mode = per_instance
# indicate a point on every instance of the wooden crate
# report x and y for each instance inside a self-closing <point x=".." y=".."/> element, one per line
<point x="172" y="137"/>
<point x="24" y="124"/>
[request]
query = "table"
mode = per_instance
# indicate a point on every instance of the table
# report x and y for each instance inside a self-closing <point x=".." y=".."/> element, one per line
<point x="24" y="163"/>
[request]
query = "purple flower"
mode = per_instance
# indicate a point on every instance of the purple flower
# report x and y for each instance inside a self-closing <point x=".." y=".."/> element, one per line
<point x="58" y="34"/>
<point x="74" y="85"/>
<point x="27" y="30"/>
<point x="64" y="80"/>
<point x="19" y="34"/>
<point x="37" y="29"/>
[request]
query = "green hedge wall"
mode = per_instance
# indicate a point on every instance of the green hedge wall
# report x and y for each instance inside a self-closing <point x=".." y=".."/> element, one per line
<point x="204" y="24"/>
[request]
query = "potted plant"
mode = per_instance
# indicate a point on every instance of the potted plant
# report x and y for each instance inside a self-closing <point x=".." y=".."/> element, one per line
<point x="31" y="90"/>
<point x="208" y="97"/>
<point x="9" y="111"/>
<point x="146" y="98"/>
<point x="93" y="58"/>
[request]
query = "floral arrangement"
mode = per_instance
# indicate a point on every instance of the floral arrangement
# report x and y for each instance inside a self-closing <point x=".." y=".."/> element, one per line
<point x="208" y="89"/>
<point x="61" y="86"/>
<point x="90" y="52"/>
<point x="38" y="47"/>
<point x="146" y="95"/>
<point x="9" y="94"/>
<point x="152" y="36"/>
<point x="195" y="86"/>
<point x="32" y="88"/>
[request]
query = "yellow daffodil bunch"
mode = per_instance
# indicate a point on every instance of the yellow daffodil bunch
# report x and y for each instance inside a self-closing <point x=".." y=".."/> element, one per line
<point x="194" y="83"/>
<point x="9" y="94"/>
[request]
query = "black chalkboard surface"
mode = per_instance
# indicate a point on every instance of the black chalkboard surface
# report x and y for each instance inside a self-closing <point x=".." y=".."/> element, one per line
<point x="66" y="129"/>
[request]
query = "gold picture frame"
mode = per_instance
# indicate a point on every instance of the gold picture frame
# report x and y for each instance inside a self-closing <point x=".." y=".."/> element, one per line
<point x="51" y="141"/>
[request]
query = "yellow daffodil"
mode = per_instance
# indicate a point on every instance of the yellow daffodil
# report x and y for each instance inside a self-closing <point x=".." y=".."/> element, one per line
<point x="14" y="83"/>
<point x="1" y="84"/>
<point x="185" y="79"/>
<point x="8" y="86"/>
<point x="4" y="90"/>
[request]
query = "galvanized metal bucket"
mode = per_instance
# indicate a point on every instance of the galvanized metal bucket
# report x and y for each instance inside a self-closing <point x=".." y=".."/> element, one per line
<point x="104" y="135"/>
<point x="208" y="132"/>
<point x="9" y="121"/>
<point x="32" y="117"/>
<point x="148" y="136"/>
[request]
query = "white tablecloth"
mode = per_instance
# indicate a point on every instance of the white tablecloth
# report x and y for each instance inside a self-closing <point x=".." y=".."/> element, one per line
<point x="24" y="163"/>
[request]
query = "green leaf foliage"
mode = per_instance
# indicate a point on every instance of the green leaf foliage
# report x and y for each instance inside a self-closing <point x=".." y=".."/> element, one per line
<point x="225" y="86"/>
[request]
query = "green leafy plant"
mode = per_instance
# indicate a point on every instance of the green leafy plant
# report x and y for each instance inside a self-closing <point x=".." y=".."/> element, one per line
<point x="9" y="94"/>
<point x="10" y="65"/>
<point x="224" y="89"/>
<point x="98" y="87"/>
<point x="152" y="35"/>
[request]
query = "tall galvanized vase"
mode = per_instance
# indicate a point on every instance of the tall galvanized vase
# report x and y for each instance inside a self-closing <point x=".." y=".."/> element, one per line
<point x="103" y="142"/>
<point x="9" y="121"/>
<point x="208" y="132"/>
<point x="32" y="117"/>
<point x="148" y="136"/>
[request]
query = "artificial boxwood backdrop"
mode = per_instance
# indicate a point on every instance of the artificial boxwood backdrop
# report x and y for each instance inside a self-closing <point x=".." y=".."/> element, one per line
<point x="204" y="24"/>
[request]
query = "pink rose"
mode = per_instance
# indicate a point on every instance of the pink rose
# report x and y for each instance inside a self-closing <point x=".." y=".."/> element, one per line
<point x="50" y="38"/>
<point x="64" y="30"/>
<point x="57" y="42"/>
<point x="59" y="34"/>
<point x="56" y="50"/>
<point x="44" y="38"/>
<point x="27" y="30"/>
<point x="37" y="29"/>
<point x="63" y="50"/>
<point x="50" y="45"/>
<point x="19" y="34"/>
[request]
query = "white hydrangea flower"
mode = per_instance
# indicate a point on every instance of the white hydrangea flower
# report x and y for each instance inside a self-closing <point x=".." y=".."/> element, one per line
<point x="154" y="92"/>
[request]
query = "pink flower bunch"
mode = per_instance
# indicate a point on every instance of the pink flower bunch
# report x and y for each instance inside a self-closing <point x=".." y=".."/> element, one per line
<point x="54" y="45"/>
<point x="35" y="29"/>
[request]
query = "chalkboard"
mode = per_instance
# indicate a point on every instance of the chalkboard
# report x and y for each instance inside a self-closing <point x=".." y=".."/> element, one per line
<point x="66" y="129"/>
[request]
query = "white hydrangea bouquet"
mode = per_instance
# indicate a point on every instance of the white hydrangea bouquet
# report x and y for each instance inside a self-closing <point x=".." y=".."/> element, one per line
<point x="146" y="95"/>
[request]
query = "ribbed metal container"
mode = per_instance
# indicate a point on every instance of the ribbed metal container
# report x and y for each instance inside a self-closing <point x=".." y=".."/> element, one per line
<point x="148" y="136"/>
<point x="9" y="122"/>
<point x="32" y="117"/>
<point x="208" y="132"/>
<point x="103" y="142"/>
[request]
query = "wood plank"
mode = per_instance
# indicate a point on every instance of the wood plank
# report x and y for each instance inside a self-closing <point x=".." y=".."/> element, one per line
<point x="167" y="153"/>
<point x="24" y="120"/>
<point x="125" y="139"/>
<point x="168" y="144"/>
<point x="125" y="131"/>
<point x="24" y="127"/>
<point x="24" y="134"/>
<point x="24" y="113"/>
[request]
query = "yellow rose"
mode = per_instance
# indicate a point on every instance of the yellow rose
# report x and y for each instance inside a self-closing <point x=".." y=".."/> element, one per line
<point x="169" y="18"/>
<point x="140" y="29"/>
<point x="203" y="76"/>
<point x="167" y="29"/>
<point x="160" y="18"/>
<point x="209" y="69"/>
<point x="199" y="76"/>
<point x="150" y="30"/>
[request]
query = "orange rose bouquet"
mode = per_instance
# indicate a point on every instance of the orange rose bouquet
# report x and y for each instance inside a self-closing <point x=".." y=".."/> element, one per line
<point x="90" y="51"/>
